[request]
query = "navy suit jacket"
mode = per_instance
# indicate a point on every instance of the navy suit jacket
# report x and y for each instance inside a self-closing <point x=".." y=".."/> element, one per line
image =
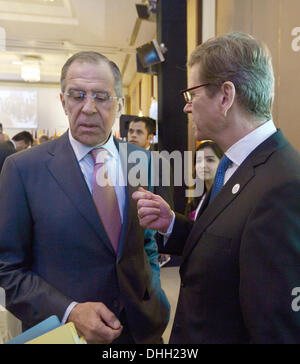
<point x="54" y="249"/>
<point x="241" y="258"/>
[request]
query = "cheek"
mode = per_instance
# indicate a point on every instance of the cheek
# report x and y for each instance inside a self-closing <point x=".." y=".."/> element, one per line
<point x="72" y="114"/>
<point x="199" y="169"/>
<point x="214" y="168"/>
<point x="108" y="115"/>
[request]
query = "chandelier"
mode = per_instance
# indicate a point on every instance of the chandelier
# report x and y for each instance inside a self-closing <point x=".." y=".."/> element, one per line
<point x="30" y="69"/>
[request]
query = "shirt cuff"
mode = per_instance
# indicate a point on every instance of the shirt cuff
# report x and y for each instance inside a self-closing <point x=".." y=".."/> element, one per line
<point x="68" y="311"/>
<point x="167" y="234"/>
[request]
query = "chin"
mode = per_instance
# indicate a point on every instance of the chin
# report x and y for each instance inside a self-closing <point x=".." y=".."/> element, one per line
<point x="91" y="140"/>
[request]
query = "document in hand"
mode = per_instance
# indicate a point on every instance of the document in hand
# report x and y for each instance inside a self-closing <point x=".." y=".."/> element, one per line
<point x="65" y="334"/>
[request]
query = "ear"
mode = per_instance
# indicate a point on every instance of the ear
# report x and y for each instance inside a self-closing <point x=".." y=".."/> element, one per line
<point x="121" y="105"/>
<point x="63" y="102"/>
<point x="228" y="96"/>
<point x="150" y="137"/>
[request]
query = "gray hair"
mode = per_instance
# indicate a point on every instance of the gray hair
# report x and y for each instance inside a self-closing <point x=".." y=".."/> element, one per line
<point x="244" y="61"/>
<point x="93" y="57"/>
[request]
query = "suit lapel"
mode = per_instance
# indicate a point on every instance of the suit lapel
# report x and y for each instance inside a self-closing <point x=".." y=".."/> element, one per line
<point x="66" y="171"/>
<point x="209" y="212"/>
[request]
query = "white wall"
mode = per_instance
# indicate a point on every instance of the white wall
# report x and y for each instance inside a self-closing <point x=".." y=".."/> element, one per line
<point x="50" y="111"/>
<point x="50" y="114"/>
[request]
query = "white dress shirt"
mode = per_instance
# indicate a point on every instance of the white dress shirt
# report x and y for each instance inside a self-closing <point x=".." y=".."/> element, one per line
<point x="239" y="151"/>
<point x="86" y="163"/>
<point x="112" y="164"/>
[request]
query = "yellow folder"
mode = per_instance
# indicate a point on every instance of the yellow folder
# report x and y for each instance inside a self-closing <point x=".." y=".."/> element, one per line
<point x="65" y="334"/>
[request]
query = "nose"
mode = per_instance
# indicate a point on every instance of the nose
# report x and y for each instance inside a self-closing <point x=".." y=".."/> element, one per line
<point x="89" y="106"/>
<point x="188" y="108"/>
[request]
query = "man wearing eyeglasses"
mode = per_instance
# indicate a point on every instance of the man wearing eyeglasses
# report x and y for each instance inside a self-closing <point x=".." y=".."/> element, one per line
<point x="71" y="247"/>
<point x="241" y="257"/>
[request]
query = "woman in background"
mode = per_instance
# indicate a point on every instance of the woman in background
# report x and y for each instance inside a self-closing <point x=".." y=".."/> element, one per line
<point x="207" y="158"/>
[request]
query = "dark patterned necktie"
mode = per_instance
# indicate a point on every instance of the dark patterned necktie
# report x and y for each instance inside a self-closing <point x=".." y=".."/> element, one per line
<point x="219" y="178"/>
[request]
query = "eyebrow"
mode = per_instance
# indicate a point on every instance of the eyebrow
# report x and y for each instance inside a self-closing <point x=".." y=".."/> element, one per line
<point x="136" y="129"/>
<point x="207" y="156"/>
<point x="92" y="91"/>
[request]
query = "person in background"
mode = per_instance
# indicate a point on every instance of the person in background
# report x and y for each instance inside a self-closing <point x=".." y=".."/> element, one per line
<point x="240" y="272"/>
<point x="141" y="132"/>
<point x="22" y="141"/>
<point x="73" y="247"/>
<point x="43" y="139"/>
<point x="207" y="158"/>
<point x="6" y="149"/>
<point x="3" y="136"/>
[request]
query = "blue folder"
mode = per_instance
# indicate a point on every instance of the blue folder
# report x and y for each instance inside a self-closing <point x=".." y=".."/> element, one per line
<point x="43" y="327"/>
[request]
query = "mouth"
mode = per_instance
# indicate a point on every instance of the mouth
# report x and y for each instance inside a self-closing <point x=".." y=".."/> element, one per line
<point x="132" y="141"/>
<point x="89" y="127"/>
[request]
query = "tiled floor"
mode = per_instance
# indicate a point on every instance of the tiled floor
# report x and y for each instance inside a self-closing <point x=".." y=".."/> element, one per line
<point x="170" y="282"/>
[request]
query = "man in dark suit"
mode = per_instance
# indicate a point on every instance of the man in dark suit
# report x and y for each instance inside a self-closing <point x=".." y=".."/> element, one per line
<point x="241" y="257"/>
<point x="6" y="149"/>
<point x="56" y="254"/>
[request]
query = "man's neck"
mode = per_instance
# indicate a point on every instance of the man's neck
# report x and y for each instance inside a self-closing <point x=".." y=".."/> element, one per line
<point x="237" y="129"/>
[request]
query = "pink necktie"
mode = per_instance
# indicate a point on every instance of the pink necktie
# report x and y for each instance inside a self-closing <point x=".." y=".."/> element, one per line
<point x="105" y="198"/>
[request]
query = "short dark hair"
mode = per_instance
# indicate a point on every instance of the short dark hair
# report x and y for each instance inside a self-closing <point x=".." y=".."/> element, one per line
<point x="94" y="58"/>
<point x="150" y="123"/>
<point x="23" y="135"/>
<point x="44" y="137"/>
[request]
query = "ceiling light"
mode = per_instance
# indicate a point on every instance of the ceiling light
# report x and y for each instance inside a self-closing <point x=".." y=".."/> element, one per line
<point x="31" y="72"/>
<point x="30" y="69"/>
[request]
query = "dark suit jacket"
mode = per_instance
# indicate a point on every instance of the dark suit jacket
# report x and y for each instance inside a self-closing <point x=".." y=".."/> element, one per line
<point x="6" y="149"/>
<point x="241" y="258"/>
<point x="54" y="249"/>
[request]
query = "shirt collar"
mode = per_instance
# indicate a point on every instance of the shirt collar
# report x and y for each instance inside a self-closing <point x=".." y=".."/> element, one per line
<point x="239" y="151"/>
<point x="81" y="150"/>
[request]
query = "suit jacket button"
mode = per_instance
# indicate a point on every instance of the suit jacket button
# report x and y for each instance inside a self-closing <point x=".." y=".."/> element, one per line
<point x="182" y="285"/>
<point x="116" y="304"/>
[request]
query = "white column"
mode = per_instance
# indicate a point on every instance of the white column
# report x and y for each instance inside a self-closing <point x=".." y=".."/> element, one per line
<point x="2" y="39"/>
<point x="209" y="19"/>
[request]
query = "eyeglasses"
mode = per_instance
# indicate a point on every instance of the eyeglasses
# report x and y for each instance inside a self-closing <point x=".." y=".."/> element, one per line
<point x="188" y="96"/>
<point x="78" y="96"/>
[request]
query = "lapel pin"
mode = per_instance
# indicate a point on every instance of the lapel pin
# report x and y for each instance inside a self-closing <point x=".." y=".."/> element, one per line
<point x="236" y="189"/>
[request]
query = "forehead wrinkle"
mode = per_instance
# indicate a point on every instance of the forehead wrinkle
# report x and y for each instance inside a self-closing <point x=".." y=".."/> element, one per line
<point x="83" y="82"/>
<point x="89" y="74"/>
